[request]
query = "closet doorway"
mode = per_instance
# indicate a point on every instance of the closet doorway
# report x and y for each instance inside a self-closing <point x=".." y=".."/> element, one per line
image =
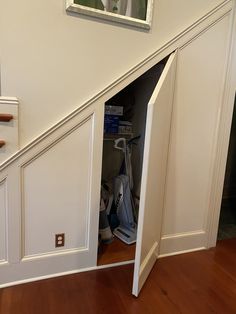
<point x="227" y="222"/>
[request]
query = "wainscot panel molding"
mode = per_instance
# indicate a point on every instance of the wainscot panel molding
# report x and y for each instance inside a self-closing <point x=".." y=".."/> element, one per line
<point x="224" y="137"/>
<point x="195" y="126"/>
<point x="68" y="201"/>
<point x="54" y="188"/>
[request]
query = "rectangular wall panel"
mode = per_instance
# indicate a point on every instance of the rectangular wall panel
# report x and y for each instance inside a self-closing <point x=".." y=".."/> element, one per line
<point x="198" y="101"/>
<point x="56" y="194"/>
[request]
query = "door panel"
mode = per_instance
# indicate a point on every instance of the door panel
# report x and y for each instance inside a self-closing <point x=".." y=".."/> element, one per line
<point x="154" y="174"/>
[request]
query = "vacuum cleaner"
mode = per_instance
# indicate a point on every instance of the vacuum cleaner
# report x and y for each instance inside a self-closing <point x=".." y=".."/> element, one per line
<point x="123" y="201"/>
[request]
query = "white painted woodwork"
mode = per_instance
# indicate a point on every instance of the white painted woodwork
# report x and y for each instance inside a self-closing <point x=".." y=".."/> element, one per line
<point x="9" y="130"/>
<point x="54" y="187"/>
<point x="182" y="243"/>
<point x="51" y="85"/>
<point x="3" y="221"/>
<point x="156" y="145"/>
<point x="56" y="194"/>
<point x="54" y="62"/>
<point x="223" y="138"/>
<point x="198" y="101"/>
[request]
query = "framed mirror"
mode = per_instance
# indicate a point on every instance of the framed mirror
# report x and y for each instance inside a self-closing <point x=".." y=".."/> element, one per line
<point x="132" y="12"/>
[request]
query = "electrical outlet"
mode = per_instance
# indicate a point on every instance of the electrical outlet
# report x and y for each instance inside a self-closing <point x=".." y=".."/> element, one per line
<point x="59" y="239"/>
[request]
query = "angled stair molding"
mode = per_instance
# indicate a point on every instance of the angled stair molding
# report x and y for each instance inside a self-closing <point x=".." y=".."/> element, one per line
<point x="179" y="40"/>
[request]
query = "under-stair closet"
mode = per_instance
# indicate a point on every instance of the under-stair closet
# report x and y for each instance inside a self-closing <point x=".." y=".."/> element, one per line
<point x="124" y="124"/>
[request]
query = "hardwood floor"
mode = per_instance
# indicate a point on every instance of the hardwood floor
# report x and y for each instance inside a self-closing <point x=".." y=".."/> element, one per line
<point x="199" y="282"/>
<point x="115" y="252"/>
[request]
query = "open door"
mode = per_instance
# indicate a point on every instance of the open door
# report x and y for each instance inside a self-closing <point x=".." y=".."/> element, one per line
<point x="158" y="123"/>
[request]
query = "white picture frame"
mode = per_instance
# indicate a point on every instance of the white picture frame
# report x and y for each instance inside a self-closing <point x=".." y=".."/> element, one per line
<point x="71" y="6"/>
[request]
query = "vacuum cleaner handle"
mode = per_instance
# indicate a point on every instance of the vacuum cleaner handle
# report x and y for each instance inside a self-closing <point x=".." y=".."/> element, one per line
<point x="118" y="141"/>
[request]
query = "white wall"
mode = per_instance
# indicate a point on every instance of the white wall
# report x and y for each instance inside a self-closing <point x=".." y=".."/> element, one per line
<point x="54" y="62"/>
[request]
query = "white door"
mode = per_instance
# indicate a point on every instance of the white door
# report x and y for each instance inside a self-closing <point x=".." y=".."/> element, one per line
<point x="154" y="174"/>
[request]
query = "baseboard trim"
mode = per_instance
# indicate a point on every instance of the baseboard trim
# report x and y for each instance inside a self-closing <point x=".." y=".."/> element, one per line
<point x="71" y="272"/>
<point x="182" y="243"/>
<point x="182" y="252"/>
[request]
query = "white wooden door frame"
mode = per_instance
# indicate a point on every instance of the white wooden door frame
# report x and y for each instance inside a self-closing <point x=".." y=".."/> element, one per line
<point x="225" y="120"/>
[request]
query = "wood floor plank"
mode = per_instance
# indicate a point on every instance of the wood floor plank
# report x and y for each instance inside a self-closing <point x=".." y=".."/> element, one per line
<point x="198" y="285"/>
<point x="200" y="282"/>
<point x="115" y="252"/>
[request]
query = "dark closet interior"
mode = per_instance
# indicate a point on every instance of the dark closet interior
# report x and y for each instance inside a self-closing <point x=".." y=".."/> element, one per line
<point x="227" y="223"/>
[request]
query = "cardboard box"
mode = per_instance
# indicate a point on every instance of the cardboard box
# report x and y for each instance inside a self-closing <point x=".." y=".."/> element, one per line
<point x="111" y="124"/>
<point x="114" y="110"/>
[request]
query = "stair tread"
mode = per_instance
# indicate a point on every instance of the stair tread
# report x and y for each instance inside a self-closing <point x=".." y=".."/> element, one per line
<point x="5" y="117"/>
<point x="2" y="143"/>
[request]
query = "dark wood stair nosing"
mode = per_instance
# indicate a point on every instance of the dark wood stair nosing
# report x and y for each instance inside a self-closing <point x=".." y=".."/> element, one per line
<point x="2" y="143"/>
<point x="5" y="117"/>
